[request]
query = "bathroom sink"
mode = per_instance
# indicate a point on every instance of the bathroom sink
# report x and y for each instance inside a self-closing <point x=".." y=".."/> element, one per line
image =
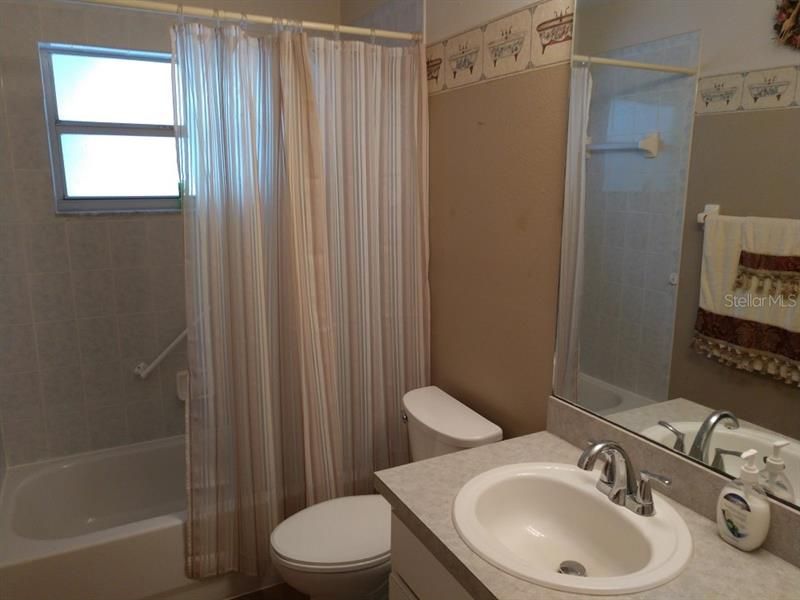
<point x="533" y="520"/>
<point x="737" y="440"/>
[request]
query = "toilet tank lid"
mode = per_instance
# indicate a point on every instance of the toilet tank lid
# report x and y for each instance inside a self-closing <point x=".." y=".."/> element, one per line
<point x="448" y="418"/>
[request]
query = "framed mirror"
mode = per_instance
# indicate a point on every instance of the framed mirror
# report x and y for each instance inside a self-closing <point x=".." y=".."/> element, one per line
<point x="678" y="310"/>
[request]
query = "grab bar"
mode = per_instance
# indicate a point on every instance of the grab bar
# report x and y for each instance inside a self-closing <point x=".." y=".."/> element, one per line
<point x="143" y="369"/>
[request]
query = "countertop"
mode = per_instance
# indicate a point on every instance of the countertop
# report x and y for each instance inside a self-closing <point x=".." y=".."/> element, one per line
<point x="421" y="495"/>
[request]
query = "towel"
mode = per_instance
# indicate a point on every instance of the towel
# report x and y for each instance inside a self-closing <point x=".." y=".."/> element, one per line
<point x="770" y="257"/>
<point x="741" y="321"/>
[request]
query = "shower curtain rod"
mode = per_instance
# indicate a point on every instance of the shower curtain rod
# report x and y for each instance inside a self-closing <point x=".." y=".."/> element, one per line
<point x="630" y="64"/>
<point x="226" y="15"/>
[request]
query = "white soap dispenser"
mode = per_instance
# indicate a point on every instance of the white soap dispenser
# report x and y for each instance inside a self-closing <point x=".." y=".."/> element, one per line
<point x="743" y="508"/>
<point x="773" y="477"/>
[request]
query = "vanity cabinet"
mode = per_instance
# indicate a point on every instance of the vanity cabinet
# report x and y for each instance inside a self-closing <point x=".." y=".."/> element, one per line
<point x="416" y="573"/>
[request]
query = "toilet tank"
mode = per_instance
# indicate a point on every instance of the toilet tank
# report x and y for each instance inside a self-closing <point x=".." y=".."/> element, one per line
<point x="439" y="424"/>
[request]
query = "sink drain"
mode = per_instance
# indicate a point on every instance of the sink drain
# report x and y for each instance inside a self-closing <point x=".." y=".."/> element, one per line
<point x="572" y="567"/>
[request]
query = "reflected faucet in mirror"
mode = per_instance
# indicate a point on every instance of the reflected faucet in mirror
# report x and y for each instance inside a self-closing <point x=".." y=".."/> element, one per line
<point x="702" y="440"/>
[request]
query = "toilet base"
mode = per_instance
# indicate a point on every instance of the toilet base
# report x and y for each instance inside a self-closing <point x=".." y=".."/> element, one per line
<point x="371" y="583"/>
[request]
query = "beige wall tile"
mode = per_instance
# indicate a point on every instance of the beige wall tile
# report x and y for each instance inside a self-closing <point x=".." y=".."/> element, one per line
<point x="19" y="29"/>
<point x="67" y="430"/>
<point x="25" y="441"/>
<point x="129" y="243"/>
<point x="89" y="244"/>
<point x="137" y="336"/>
<point x="132" y="291"/>
<point x="94" y="292"/>
<point x="34" y="195"/>
<point x="19" y="397"/>
<point x="102" y="384"/>
<point x="9" y="212"/>
<point x="51" y="296"/>
<point x="165" y="240"/>
<point x="169" y="324"/>
<point x="57" y="345"/>
<point x="62" y="23"/>
<point x="145" y="420"/>
<point x="57" y="270"/>
<point x="61" y="387"/>
<point x="17" y="349"/>
<point x="107" y="427"/>
<point x="98" y="339"/>
<point x="135" y="389"/>
<point x="13" y="243"/>
<point x="15" y="302"/>
<point x="167" y="288"/>
<point x="47" y="248"/>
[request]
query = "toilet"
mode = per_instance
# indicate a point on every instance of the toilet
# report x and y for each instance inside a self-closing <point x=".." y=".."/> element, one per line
<point x="340" y="549"/>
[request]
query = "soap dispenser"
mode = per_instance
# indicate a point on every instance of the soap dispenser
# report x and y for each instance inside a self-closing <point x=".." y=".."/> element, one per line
<point x="773" y="477"/>
<point x="743" y="508"/>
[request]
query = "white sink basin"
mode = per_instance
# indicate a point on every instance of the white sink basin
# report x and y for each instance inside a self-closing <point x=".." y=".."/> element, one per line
<point x="740" y="439"/>
<point x="527" y="519"/>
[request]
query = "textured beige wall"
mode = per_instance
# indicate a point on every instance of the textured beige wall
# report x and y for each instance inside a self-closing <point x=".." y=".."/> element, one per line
<point x="497" y="181"/>
<point x="747" y="163"/>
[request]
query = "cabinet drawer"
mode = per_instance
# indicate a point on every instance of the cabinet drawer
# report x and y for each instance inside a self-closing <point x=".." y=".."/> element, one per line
<point x="419" y="569"/>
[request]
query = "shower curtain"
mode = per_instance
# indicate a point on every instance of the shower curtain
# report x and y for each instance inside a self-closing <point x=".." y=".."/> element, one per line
<point x="570" y="289"/>
<point x="304" y="173"/>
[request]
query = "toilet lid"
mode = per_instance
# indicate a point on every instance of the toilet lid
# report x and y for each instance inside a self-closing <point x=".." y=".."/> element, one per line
<point x="341" y="534"/>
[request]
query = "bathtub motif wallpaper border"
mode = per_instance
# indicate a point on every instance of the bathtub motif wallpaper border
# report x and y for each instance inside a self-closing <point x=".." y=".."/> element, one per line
<point x="531" y="38"/>
<point x="773" y="88"/>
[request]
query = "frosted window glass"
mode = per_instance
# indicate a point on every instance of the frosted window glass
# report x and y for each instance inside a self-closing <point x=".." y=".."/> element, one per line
<point x="112" y="90"/>
<point x="107" y="166"/>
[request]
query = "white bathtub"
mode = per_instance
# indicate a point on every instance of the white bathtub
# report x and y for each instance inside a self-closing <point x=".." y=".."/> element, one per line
<point x="605" y="398"/>
<point x="104" y="525"/>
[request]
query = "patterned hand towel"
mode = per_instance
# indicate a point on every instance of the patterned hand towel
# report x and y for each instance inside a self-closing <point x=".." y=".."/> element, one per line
<point x="748" y="316"/>
<point x="770" y="257"/>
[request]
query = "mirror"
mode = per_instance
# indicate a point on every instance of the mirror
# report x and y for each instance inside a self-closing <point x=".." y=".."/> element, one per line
<point x="679" y="320"/>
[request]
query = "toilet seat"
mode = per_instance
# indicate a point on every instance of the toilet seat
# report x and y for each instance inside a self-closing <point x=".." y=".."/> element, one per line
<point x="340" y="535"/>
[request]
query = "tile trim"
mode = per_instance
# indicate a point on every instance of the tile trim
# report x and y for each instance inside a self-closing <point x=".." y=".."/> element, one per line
<point x="708" y="99"/>
<point x="442" y="57"/>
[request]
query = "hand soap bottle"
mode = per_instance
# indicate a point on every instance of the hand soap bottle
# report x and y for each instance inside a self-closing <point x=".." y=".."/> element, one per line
<point x="743" y="508"/>
<point x="773" y="477"/>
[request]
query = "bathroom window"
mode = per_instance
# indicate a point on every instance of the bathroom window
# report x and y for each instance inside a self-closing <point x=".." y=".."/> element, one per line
<point x="111" y="131"/>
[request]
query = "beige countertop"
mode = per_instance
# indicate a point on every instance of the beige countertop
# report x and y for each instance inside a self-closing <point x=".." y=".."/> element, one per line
<point x="422" y="493"/>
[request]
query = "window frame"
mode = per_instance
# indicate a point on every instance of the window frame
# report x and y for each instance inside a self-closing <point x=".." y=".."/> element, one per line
<point x="65" y="204"/>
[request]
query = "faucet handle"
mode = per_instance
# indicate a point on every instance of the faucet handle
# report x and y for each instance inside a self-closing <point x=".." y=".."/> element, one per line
<point x="646" y="490"/>
<point x="680" y="437"/>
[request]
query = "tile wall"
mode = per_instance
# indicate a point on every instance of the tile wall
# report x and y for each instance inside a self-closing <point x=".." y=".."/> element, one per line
<point x="395" y="15"/>
<point x="634" y="214"/>
<point x="82" y="299"/>
<point x="531" y="38"/>
<point x="753" y="90"/>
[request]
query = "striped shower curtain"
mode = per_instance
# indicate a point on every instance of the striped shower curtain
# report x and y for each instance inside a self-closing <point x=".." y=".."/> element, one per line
<point x="304" y="173"/>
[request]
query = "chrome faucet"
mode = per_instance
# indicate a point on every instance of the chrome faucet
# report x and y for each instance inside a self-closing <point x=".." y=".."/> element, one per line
<point x="680" y="437"/>
<point x="702" y="440"/>
<point x="622" y="485"/>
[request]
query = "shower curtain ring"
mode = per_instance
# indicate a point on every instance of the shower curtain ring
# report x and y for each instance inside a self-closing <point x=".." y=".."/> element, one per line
<point x="216" y="17"/>
<point x="372" y="35"/>
<point x="337" y="34"/>
<point x="181" y="16"/>
<point x="243" y="21"/>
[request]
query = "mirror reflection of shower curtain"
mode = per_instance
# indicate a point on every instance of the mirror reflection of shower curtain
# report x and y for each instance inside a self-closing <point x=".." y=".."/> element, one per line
<point x="565" y="372"/>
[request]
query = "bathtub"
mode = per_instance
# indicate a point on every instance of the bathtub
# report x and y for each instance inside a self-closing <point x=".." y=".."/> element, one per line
<point x="605" y="398"/>
<point x="104" y="525"/>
